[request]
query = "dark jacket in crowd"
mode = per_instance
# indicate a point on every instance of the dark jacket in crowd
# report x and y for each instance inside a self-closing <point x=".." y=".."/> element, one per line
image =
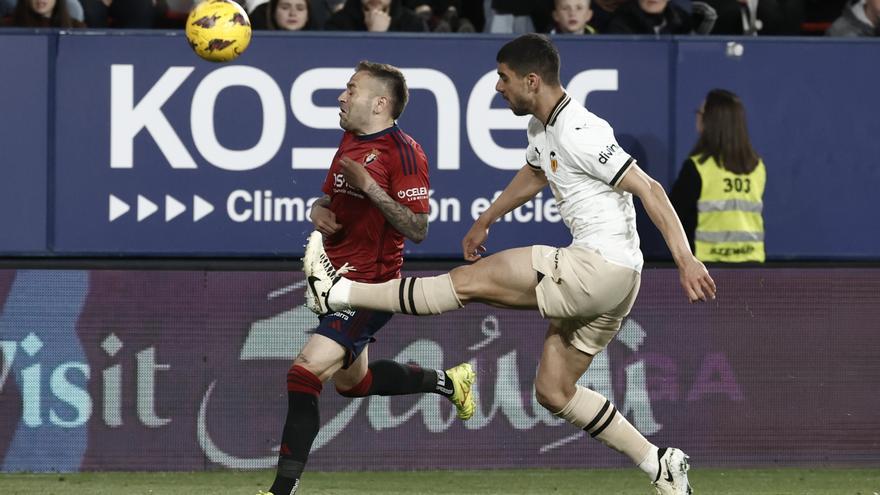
<point x="541" y="11"/>
<point x="850" y="25"/>
<point x="777" y="17"/>
<point x="629" y="18"/>
<point x="351" y="18"/>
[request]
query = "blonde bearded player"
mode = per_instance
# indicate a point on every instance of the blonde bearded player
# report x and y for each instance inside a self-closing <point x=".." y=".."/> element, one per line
<point x="365" y="219"/>
<point x="585" y="289"/>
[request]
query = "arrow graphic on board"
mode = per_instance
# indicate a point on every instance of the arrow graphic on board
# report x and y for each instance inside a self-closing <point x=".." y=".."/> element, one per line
<point x="145" y="207"/>
<point x="118" y="207"/>
<point x="173" y="208"/>
<point x="201" y="208"/>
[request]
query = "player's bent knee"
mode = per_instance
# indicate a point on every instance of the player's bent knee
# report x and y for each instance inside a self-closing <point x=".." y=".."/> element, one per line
<point x="550" y="398"/>
<point x="362" y="389"/>
<point x="466" y="283"/>
<point x="301" y="380"/>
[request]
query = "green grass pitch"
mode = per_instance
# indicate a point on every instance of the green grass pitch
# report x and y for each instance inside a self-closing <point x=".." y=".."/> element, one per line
<point x="501" y="482"/>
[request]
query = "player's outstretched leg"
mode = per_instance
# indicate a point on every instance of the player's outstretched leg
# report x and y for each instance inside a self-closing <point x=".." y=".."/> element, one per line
<point x="462" y="377"/>
<point x="672" y="478"/>
<point x="329" y="292"/>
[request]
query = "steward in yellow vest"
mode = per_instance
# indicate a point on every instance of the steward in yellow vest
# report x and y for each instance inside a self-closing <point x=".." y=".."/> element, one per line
<point x="719" y="192"/>
<point x="730" y="227"/>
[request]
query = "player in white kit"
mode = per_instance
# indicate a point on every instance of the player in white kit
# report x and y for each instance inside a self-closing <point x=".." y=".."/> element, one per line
<point x="585" y="289"/>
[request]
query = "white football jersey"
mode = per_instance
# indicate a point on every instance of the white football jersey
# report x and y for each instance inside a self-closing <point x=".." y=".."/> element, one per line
<point x="583" y="163"/>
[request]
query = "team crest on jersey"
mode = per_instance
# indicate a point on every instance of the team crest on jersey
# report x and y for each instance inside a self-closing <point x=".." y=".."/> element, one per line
<point x="553" y="162"/>
<point x="371" y="156"/>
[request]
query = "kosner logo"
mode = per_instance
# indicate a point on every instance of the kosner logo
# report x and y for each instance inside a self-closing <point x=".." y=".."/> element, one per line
<point x="128" y="117"/>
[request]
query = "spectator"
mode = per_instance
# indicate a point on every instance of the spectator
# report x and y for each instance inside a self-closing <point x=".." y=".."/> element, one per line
<point x="719" y="192"/>
<point x="128" y="14"/>
<point x="375" y="16"/>
<point x="319" y="12"/>
<point x="751" y="17"/>
<point x="74" y="8"/>
<point x="283" y="15"/>
<point x="442" y="16"/>
<point x="650" y="17"/>
<point x="521" y="16"/>
<point x="859" y="18"/>
<point x="43" y="14"/>
<point x="572" y="16"/>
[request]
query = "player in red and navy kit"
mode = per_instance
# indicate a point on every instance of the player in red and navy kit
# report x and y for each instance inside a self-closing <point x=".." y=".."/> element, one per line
<point x="376" y="194"/>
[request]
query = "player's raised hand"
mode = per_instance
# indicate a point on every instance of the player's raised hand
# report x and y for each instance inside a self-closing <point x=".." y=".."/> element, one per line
<point x="696" y="281"/>
<point x="355" y="174"/>
<point x="472" y="243"/>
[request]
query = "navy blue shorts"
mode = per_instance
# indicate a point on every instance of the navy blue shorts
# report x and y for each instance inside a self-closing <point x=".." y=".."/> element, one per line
<point x="352" y="329"/>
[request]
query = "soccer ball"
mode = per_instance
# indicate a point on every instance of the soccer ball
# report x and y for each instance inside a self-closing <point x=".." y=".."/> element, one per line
<point x="218" y="30"/>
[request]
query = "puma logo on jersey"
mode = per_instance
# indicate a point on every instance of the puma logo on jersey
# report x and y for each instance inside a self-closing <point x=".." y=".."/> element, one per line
<point x="605" y="155"/>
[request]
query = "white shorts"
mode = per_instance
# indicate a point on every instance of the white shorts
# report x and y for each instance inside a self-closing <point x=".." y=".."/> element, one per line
<point x="586" y="296"/>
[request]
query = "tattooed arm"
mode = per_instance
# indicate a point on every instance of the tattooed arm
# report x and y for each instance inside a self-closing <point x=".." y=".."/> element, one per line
<point x="412" y="225"/>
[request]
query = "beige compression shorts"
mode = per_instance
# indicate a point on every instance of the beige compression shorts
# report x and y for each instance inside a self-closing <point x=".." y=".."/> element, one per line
<point x="584" y="295"/>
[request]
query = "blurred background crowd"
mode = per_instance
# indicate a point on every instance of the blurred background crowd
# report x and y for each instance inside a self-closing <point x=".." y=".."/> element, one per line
<point x="576" y="17"/>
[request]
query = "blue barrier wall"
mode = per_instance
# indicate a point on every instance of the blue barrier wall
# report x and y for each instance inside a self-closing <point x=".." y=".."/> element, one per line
<point x="24" y="137"/>
<point x="147" y="150"/>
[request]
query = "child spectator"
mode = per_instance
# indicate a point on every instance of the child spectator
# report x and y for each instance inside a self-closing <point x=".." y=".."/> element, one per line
<point x="572" y="16"/>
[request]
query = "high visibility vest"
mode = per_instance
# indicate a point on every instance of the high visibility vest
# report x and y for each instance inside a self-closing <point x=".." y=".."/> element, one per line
<point x="730" y="227"/>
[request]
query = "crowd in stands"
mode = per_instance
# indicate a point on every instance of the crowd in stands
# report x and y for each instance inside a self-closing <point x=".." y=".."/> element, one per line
<point x="581" y="17"/>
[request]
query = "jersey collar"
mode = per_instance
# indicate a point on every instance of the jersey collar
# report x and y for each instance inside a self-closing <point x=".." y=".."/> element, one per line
<point x="560" y="106"/>
<point x="367" y="137"/>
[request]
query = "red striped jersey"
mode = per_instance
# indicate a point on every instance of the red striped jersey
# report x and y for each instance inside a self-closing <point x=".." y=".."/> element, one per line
<point x="367" y="241"/>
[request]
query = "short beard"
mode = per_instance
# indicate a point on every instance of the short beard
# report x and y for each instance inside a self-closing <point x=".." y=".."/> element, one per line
<point x="519" y="111"/>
